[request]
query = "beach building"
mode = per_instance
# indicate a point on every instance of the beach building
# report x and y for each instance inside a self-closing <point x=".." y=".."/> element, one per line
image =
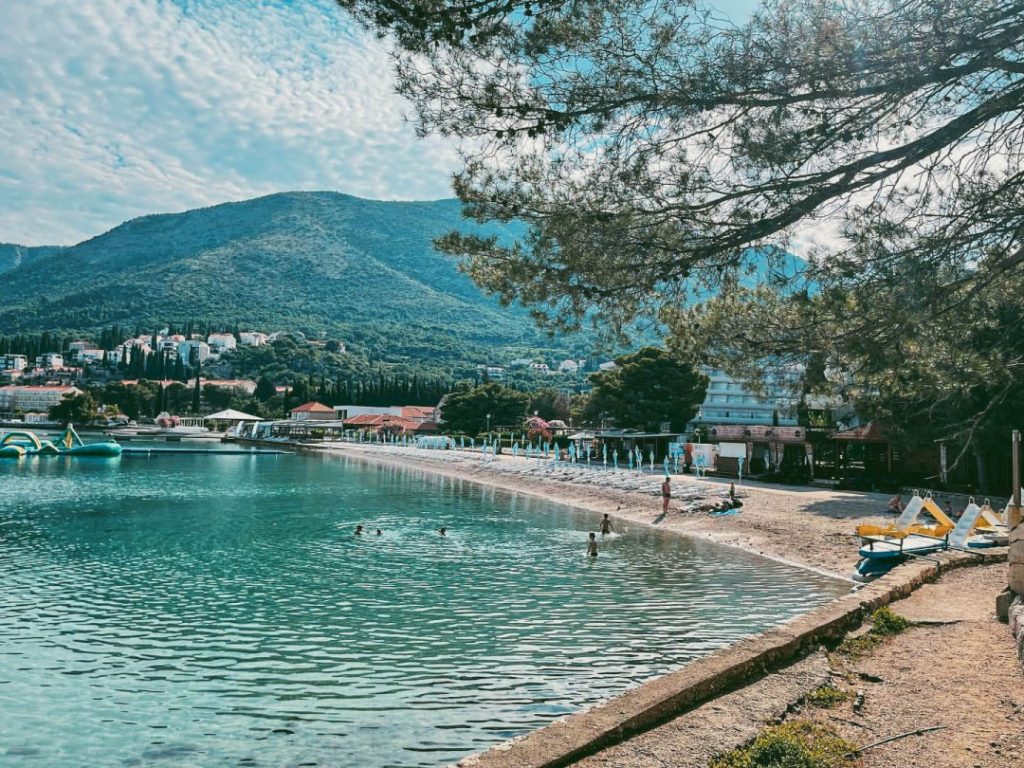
<point x="351" y="411"/>
<point x="77" y="346"/>
<point x="388" y="424"/>
<point x="568" y="366"/>
<point x="23" y="399"/>
<point x="313" y="411"/>
<point x="13" y="362"/>
<point x="730" y="401"/>
<point x="221" y="342"/>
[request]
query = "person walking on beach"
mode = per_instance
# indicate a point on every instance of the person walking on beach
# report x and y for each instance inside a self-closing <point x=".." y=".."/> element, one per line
<point x="592" y="545"/>
<point x="732" y="492"/>
<point x="606" y="525"/>
<point x="666" y="494"/>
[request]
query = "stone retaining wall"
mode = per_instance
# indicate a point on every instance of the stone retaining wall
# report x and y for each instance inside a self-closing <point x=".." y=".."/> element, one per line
<point x="1017" y="625"/>
<point x="657" y="701"/>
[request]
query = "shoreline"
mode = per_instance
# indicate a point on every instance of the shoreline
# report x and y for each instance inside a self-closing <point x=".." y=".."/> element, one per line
<point x="807" y="528"/>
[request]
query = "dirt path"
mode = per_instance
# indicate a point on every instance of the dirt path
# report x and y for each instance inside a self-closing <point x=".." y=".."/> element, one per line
<point x="956" y="668"/>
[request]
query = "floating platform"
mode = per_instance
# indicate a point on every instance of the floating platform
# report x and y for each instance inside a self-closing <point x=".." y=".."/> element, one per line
<point x="21" y="443"/>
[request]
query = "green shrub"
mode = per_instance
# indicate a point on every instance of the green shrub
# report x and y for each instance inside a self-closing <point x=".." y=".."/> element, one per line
<point x="826" y="696"/>
<point x="887" y="623"/>
<point x="796" y="744"/>
<point x="884" y="623"/>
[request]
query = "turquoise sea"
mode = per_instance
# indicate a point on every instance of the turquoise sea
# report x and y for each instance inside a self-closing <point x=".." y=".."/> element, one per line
<point x="218" y="611"/>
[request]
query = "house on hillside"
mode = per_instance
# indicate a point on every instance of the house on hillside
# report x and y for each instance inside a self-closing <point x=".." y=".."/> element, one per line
<point x="253" y="338"/>
<point x="221" y="342"/>
<point x="313" y="411"/>
<point x="568" y="366"/>
<point x="388" y="424"/>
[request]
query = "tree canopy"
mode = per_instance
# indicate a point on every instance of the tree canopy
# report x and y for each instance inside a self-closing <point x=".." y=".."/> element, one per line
<point x="646" y="389"/>
<point x="467" y="408"/>
<point x="658" y="152"/>
<point x="74" y="407"/>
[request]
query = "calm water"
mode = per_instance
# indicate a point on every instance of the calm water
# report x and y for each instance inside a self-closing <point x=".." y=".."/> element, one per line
<point x="200" y="610"/>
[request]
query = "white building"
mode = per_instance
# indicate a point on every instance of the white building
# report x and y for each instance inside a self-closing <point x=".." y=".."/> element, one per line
<point x="185" y="351"/>
<point x="90" y="356"/>
<point x="609" y="366"/>
<point x="77" y="346"/>
<point x="39" y="399"/>
<point x="729" y="401"/>
<point x="568" y="366"/>
<point x="221" y="342"/>
<point x="13" y="362"/>
<point x="520" y="362"/>
<point x="50" y="360"/>
<point x="542" y="367"/>
<point x="168" y="346"/>
<point x="253" y="338"/>
<point x="351" y="411"/>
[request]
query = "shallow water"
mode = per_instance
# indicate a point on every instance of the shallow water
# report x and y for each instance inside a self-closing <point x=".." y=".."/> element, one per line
<point x="217" y="610"/>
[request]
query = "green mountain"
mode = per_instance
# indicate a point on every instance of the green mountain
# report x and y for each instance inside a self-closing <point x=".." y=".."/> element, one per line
<point x="323" y="263"/>
<point x="13" y="256"/>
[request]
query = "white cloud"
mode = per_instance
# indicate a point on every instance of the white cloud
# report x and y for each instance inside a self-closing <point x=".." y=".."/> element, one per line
<point x="114" y="109"/>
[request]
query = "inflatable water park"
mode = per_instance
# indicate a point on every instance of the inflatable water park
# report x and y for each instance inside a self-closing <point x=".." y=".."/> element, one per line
<point x="883" y="548"/>
<point x="22" y="443"/>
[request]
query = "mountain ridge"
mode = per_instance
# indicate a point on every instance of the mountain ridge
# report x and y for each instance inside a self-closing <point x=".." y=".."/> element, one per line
<point x="325" y="263"/>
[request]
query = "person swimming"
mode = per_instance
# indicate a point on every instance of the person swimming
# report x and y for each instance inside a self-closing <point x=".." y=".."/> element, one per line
<point x="592" y="545"/>
<point x="442" y="530"/>
<point x="379" y="532"/>
<point x="359" y="530"/>
<point x="606" y="525"/>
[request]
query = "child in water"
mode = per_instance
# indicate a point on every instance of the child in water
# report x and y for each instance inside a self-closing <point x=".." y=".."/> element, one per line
<point x="442" y="531"/>
<point x="359" y="530"/>
<point x="592" y="545"/>
<point x="606" y="525"/>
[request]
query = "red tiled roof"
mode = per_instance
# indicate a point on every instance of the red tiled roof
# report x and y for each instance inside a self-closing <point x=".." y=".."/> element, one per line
<point x="313" y="407"/>
<point x="382" y="420"/>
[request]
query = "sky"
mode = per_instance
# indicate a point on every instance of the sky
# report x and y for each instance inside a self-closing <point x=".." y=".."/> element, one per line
<point x="111" y="109"/>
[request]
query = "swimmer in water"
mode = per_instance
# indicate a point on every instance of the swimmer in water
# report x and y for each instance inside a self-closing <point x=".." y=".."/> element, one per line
<point x="442" y="531"/>
<point x="606" y="525"/>
<point x="592" y="546"/>
<point x="359" y="530"/>
<point x="379" y="532"/>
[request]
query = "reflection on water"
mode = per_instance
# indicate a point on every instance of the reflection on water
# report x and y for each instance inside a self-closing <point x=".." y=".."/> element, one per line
<point x="203" y="610"/>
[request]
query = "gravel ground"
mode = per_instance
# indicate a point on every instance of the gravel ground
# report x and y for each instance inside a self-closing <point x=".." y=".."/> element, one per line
<point x="957" y="670"/>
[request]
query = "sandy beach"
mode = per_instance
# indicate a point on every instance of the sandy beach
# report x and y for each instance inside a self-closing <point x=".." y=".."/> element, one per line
<point x="811" y="527"/>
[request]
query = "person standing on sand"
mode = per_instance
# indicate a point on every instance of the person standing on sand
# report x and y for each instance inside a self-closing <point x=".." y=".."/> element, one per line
<point x="666" y="494"/>
<point x="606" y="525"/>
<point x="732" y="492"/>
<point x="592" y="545"/>
<point x="896" y="504"/>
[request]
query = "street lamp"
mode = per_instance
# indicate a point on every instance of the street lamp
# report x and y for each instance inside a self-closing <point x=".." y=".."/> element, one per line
<point x="488" y="426"/>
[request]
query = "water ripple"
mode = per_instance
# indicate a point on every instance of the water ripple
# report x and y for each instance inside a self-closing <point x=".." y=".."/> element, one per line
<point x="219" y="611"/>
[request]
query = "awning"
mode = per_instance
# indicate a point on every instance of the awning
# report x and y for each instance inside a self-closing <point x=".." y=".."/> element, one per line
<point x="232" y="415"/>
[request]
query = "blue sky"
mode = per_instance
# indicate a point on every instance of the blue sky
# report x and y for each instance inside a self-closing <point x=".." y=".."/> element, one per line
<point x="117" y="108"/>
